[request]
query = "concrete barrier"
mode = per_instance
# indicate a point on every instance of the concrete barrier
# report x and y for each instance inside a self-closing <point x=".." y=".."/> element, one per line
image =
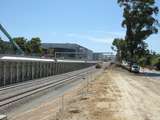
<point x="13" y="71"/>
<point x="3" y="117"/>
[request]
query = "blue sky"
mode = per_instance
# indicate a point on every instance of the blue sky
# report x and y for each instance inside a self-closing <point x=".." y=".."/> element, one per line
<point x="90" y="23"/>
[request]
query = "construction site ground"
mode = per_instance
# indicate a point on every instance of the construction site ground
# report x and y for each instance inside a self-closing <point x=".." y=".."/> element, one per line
<point x="114" y="95"/>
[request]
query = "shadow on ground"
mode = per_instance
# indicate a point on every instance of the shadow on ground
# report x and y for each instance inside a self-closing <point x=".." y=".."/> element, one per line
<point x="151" y="74"/>
<point x="148" y="74"/>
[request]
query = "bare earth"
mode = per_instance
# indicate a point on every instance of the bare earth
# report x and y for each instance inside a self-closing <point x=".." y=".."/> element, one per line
<point x="115" y="95"/>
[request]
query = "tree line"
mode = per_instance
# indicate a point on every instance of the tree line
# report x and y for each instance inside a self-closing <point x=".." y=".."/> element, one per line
<point x="140" y="22"/>
<point x="30" y="47"/>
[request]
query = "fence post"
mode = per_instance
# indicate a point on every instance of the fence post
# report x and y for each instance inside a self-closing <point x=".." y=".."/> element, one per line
<point x="17" y="72"/>
<point x="4" y="74"/>
<point x="11" y="73"/>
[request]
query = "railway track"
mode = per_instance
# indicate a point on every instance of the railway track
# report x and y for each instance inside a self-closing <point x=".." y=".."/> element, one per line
<point x="9" y="98"/>
<point x="10" y="90"/>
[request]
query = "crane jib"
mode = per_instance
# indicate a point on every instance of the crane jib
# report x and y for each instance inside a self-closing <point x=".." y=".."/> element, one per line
<point x="20" y="51"/>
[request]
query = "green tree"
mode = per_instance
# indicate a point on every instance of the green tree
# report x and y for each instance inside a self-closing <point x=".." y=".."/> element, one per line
<point x="119" y="45"/>
<point x="5" y="47"/>
<point x="140" y="23"/>
<point x="158" y="64"/>
<point x="34" y="46"/>
<point x="22" y="42"/>
<point x="1" y="46"/>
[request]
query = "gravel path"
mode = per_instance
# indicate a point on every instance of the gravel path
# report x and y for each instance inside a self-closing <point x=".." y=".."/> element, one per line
<point x="118" y="95"/>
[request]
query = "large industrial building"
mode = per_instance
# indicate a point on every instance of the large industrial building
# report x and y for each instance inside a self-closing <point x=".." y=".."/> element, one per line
<point x="67" y="51"/>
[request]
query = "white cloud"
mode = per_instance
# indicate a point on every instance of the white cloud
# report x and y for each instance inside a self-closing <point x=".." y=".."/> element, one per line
<point x="106" y="40"/>
<point x="71" y="34"/>
<point x="54" y="33"/>
<point x="100" y="37"/>
<point x="117" y="34"/>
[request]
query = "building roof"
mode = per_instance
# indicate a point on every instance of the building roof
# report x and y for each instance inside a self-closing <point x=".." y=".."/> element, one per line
<point x="59" y="45"/>
<point x="63" y="45"/>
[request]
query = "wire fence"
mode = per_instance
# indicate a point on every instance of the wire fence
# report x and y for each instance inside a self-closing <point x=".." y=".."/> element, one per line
<point x="81" y="93"/>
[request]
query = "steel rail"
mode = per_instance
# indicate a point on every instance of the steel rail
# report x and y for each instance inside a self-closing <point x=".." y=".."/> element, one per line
<point x="30" y="92"/>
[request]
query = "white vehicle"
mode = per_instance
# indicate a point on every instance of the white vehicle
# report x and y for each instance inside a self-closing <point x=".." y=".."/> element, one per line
<point x="135" y="68"/>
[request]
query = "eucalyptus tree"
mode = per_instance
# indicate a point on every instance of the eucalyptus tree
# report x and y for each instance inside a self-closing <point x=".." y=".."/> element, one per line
<point x="140" y="22"/>
<point x="119" y="45"/>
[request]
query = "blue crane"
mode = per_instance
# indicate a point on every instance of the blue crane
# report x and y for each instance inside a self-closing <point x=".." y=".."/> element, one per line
<point x="19" y="50"/>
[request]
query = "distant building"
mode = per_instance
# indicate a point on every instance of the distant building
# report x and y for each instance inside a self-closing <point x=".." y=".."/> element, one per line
<point x="103" y="56"/>
<point x="67" y="51"/>
<point x="97" y="56"/>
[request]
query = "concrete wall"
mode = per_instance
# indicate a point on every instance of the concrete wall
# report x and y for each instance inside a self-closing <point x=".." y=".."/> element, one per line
<point x="18" y="71"/>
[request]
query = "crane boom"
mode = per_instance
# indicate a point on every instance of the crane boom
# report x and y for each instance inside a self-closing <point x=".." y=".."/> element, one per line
<point x="20" y="51"/>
